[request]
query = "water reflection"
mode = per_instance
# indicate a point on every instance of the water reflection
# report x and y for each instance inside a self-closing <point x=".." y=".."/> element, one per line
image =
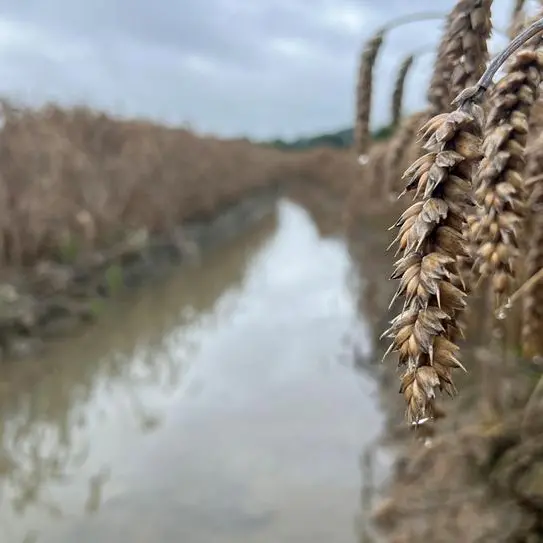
<point x="220" y="405"/>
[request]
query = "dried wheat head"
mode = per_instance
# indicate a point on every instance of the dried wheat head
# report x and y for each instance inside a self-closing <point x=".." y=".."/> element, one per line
<point x="462" y="54"/>
<point x="430" y="239"/>
<point x="364" y="93"/>
<point x="500" y="193"/>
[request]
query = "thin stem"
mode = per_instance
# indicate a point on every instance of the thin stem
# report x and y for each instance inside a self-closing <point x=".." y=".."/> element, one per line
<point x="534" y="179"/>
<point x="498" y="60"/>
<point x="536" y="277"/>
<point x="474" y="94"/>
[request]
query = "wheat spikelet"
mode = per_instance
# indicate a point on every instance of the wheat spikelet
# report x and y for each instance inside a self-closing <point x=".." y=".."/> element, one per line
<point x="438" y="90"/>
<point x="364" y="93"/>
<point x="499" y="182"/>
<point x="469" y="32"/>
<point x="430" y="237"/>
<point x="399" y="146"/>
<point x="399" y="85"/>
<point x="462" y="53"/>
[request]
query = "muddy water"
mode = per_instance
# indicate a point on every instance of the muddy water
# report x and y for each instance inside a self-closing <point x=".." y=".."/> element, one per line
<point x="219" y="406"/>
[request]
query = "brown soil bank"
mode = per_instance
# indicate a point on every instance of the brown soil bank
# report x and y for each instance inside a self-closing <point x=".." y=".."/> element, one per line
<point x="477" y="474"/>
<point x="90" y="203"/>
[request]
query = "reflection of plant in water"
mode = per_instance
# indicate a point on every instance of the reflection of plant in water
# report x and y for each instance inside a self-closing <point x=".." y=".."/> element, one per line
<point x="32" y="454"/>
<point x="44" y="427"/>
<point x="96" y="485"/>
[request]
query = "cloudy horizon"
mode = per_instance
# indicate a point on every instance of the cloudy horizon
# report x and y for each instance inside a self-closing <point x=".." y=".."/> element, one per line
<point x="266" y="69"/>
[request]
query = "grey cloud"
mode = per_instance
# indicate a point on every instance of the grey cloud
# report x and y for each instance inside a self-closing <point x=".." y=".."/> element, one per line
<point x="266" y="68"/>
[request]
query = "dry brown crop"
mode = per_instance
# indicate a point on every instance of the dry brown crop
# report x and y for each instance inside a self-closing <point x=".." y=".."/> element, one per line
<point x="399" y="85"/>
<point x="488" y="175"/>
<point x="78" y="178"/>
<point x="500" y="191"/>
<point x="364" y="93"/>
<point x="430" y="240"/>
<point x="462" y="54"/>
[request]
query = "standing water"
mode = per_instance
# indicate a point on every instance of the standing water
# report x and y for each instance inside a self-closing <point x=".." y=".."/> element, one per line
<point x="222" y="405"/>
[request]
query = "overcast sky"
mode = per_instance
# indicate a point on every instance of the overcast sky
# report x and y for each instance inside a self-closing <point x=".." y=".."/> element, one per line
<point x="261" y="68"/>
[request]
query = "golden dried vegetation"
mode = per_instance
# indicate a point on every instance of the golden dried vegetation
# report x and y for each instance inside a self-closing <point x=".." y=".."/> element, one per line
<point x="468" y="277"/>
<point x="81" y="177"/>
<point x="474" y="175"/>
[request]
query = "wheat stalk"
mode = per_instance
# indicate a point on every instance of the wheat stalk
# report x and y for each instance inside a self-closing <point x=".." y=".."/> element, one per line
<point x="399" y="85"/>
<point x="364" y="87"/>
<point x="431" y="237"/>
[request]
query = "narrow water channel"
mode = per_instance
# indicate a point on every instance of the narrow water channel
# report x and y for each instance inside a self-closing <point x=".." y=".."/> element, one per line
<point x="222" y="405"/>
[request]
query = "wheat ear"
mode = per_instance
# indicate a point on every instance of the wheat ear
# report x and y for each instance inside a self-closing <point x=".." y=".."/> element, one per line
<point x="364" y="93"/>
<point x="431" y="239"/>
<point x="399" y="86"/>
<point x="500" y="193"/>
<point x="462" y="54"/>
<point x="364" y="88"/>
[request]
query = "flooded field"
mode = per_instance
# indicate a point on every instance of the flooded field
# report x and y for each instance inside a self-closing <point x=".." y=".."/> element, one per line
<point x="222" y="405"/>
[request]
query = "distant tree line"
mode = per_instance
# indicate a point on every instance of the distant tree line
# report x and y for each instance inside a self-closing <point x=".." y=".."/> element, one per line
<point x="340" y="140"/>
